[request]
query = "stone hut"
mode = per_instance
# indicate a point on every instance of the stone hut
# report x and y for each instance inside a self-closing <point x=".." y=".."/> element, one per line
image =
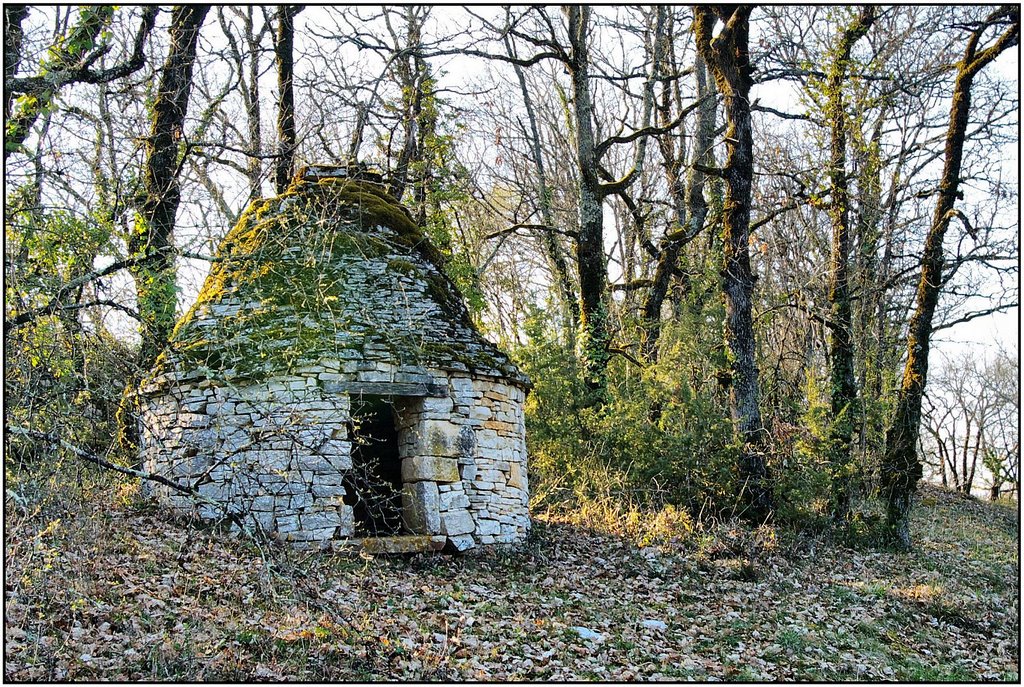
<point x="329" y="386"/>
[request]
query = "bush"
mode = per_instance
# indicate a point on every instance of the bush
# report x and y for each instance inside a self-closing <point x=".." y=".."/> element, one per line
<point x="660" y="439"/>
<point x="65" y="382"/>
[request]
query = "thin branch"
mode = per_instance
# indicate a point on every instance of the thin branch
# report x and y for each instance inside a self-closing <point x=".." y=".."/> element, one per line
<point x="974" y="315"/>
<point x="92" y="458"/>
<point x="634" y="285"/>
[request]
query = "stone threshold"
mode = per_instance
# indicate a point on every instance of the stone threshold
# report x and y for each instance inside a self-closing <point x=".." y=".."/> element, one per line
<point x="410" y="543"/>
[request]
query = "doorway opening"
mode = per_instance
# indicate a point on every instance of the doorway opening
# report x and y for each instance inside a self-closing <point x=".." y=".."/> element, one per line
<point x="373" y="488"/>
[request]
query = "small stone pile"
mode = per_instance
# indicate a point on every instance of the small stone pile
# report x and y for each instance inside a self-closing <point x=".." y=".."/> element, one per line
<point x="321" y="298"/>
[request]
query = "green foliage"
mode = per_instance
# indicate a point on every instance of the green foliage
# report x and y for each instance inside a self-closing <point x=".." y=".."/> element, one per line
<point x="64" y="381"/>
<point x="659" y="438"/>
<point x="804" y="478"/>
<point x="63" y="373"/>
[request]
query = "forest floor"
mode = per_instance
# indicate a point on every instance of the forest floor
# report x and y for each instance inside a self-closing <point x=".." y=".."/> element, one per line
<point x="120" y="592"/>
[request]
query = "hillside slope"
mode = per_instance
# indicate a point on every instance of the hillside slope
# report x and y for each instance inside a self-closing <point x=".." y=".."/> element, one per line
<point x="121" y="593"/>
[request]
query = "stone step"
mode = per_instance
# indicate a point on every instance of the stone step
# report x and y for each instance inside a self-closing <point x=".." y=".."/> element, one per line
<point x="416" y="543"/>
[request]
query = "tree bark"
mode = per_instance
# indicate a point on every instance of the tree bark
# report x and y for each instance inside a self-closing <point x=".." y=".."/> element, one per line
<point x="14" y="15"/>
<point x="727" y="56"/>
<point x="901" y="466"/>
<point x="284" y="40"/>
<point x="594" y="337"/>
<point x="843" y="384"/>
<point x="154" y="222"/>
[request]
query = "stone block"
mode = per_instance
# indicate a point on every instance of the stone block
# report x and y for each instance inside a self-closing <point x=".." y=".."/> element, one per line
<point x="468" y="472"/>
<point x="263" y="520"/>
<point x="346" y="521"/>
<point x="488" y="527"/>
<point x="438" y="438"/>
<point x="460" y="543"/>
<point x="420" y="508"/>
<point x="265" y="504"/>
<point x="221" y="408"/>
<point x="516" y="476"/>
<point x="287" y="523"/>
<point x="327" y="491"/>
<point x="491" y="475"/>
<point x="430" y="468"/>
<point x="454" y="499"/>
<point x="315" y="463"/>
<point x="457" y="522"/>
<point x="401" y="544"/>
<point x="437" y="405"/>
<point x="320" y="520"/>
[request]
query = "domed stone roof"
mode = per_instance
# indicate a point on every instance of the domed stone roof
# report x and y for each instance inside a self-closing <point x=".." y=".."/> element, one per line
<point x="332" y="269"/>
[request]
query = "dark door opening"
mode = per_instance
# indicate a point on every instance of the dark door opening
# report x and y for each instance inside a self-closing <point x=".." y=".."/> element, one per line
<point x="374" y="486"/>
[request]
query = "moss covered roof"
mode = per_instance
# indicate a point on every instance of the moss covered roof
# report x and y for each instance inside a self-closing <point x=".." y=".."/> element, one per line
<point x="332" y="269"/>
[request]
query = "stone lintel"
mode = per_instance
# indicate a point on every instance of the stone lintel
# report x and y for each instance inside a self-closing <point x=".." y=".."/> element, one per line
<point x="386" y="389"/>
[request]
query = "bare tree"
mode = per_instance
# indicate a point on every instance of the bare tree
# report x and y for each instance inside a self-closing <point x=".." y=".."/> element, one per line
<point x="71" y="60"/>
<point x="901" y="468"/>
<point x="727" y="56"/>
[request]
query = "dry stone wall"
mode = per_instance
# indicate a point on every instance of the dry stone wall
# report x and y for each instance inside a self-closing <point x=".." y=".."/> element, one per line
<point x="275" y="453"/>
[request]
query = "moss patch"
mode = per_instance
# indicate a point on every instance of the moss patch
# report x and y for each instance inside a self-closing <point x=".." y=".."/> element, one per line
<point x="315" y="273"/>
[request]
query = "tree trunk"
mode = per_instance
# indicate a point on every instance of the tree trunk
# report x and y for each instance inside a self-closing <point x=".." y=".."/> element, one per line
<point x="154" y="225"/>
<point x="14" y="15"/>
<point x="284" y="39"/>
<point x="727" y="56"/>
<point x="979" y="438"/>
<point x="593" y="338"/>
<point x="841" y="359"/>
<point x="413" y="78"/>
<point x="901" y="467"/>
<point x="870" y="303"/>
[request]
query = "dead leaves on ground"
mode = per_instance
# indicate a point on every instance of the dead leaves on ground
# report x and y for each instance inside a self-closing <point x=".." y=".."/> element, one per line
<point x="152" y="599"/>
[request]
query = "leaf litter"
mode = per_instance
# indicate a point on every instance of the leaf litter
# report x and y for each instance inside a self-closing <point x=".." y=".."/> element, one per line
<point x="128" y="595"/>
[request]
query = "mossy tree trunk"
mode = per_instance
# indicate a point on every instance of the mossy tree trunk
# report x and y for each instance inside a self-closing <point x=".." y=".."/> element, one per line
<point x="727" y="56"/>
<point x="152" y="237"/>
<point x="870" y="307"/>
<point x="901" y="467"/>
<point x="843" y="384"/>
<point x="284" y="39"/>
<point x="14" y="15"/>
